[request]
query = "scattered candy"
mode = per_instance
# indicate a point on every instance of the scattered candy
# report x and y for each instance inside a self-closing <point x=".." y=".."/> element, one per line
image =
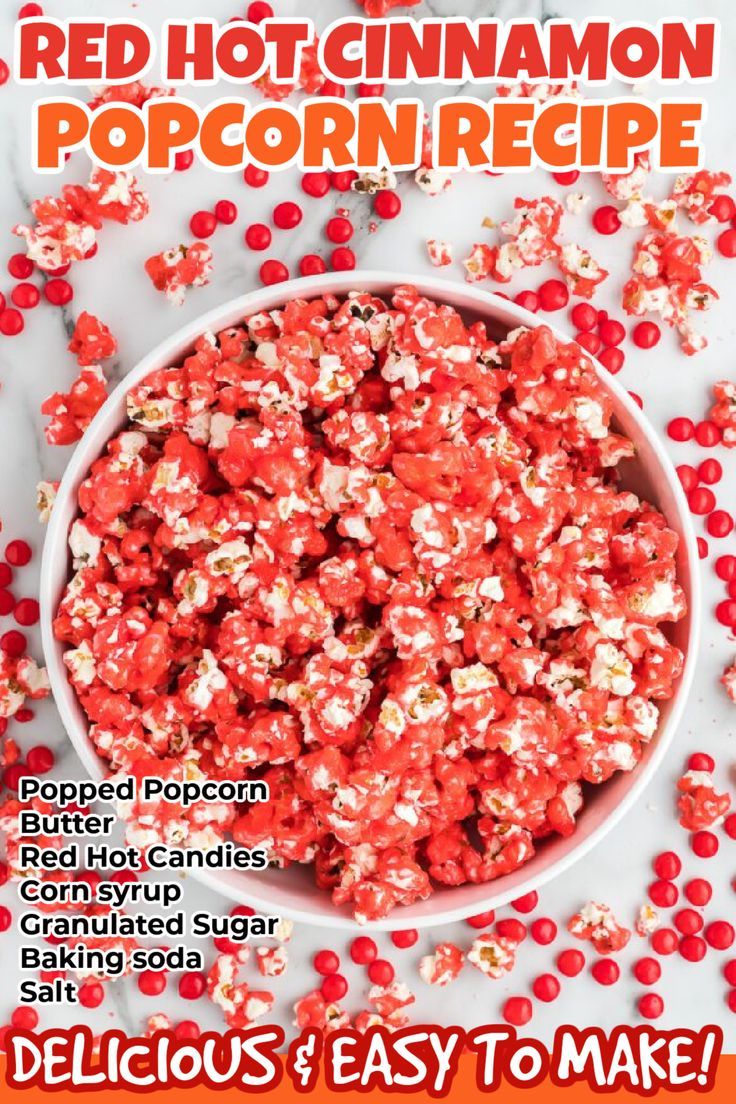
<point x="326" y="962"/>
<point x="663" y="894"/>
<point x="273" y="272"/>
<point x="543" y="931"/>
<point x="688" y="921"/>
<point x="203" y="224"/>
<point x="606" y="219"/>
<point x="342" y="259"/>
<point x="570" y="962"/>
<point x="287" y="215"/>
<point x="315" y="184"/>
<point x="339" y="230"/>
<point x="681" y="429"/>
<point x="517" y="1011"/>
<point x="18" y="553"/>
<point x="334" y="987"/>
<point x="175" y="270"/>
<point x="546" y="987"/>
<point x="719" y="934"/>
<point x="311" y="265"/>
<point x="363" y="950"/>
<point x="381" y="972"/>
<point x="651" y="1006"/>
<point x="692" y="948"/>
<point x="258" y="236"/>
<point x="255" y="177"/>
<point x="605" y="971"/>
<point x="647" y="971"/>
<point x="404" y="939"/>
<point x="646" y="335"/>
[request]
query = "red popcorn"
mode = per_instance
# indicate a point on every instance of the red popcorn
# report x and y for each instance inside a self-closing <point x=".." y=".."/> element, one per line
<point x="314" y="1011"/>
<point x="728" y="680"/>
<point x="58" y="236"/>
<point x="723" y="412"/>
<point x="20" y="678"/>
<point x="389" y="1001"/>
<point x="667" y="280"/>
<point x="493" y="955"/>
<point x="310" y="78"/>
<point x="272" y="961"/>
<point x="376" y="557"/>
<point x="91" y="341"/>
<point x="159" y="1021"/>
<point x="640" y="210"/>
<point x="700" y="806"/>
<point x="582" y="273"/>
<point x="108" y="195"/>
<point x="65" y="229"/>
<point x="443" y="966"/>
<point x="532" y="239"/>
<point x="629" y="186"/>
<point x="175" y="270"/>
<point x="597" y="924"/>
<point x="241" y="1006"/>
<point x="135" y="93"/>
<point x="647" y="921"/>
<point x="541" y="92"/>
<point x="70" y="414"/>
<point x="10" y="811"/>
<point x="439" y="252"/>
<point x="376" y="9"/>
<point x="46" y="491"/>
<point x="695" y="194"/>
<point x="428" y="179"/>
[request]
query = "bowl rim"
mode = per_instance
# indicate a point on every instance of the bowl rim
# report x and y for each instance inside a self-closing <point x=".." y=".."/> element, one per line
<point x="166" y="352"/>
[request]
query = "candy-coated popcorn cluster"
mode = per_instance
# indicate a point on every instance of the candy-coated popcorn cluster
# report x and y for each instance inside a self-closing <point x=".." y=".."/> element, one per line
<point x="532" y="239"/>
<point x="695" y="194"/>
<point x="364" y="552"/>
<point x="91" y="341"/>
<point x="241" y="1005"/>
<point x="175" y="270"/>
<point x="65" y="229"/>
<point x="387" y="1010"/>
<point x="46" y="491"/>
<point x="493" y="955"/>
<point x="20" y="678"/>
<point x="667" y="279"/>
<point x="728" y="679"/>
<point x="596" y="923"/>
<point x="136" y="93"/>
<point x="439" y="252"/>
<point x="443" y="966"/>
<point x="71" y="413"/>
<point x="310" y="78"/>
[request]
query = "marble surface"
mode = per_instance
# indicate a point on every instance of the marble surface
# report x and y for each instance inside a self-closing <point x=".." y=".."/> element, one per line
<point x="114" y="286"/>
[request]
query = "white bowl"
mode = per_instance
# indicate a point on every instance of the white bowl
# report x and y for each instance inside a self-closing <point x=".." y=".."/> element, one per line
<point x="292" y="892"/>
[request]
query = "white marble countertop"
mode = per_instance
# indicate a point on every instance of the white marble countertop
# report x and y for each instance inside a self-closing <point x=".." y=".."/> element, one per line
<point x="114" y="286"/>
